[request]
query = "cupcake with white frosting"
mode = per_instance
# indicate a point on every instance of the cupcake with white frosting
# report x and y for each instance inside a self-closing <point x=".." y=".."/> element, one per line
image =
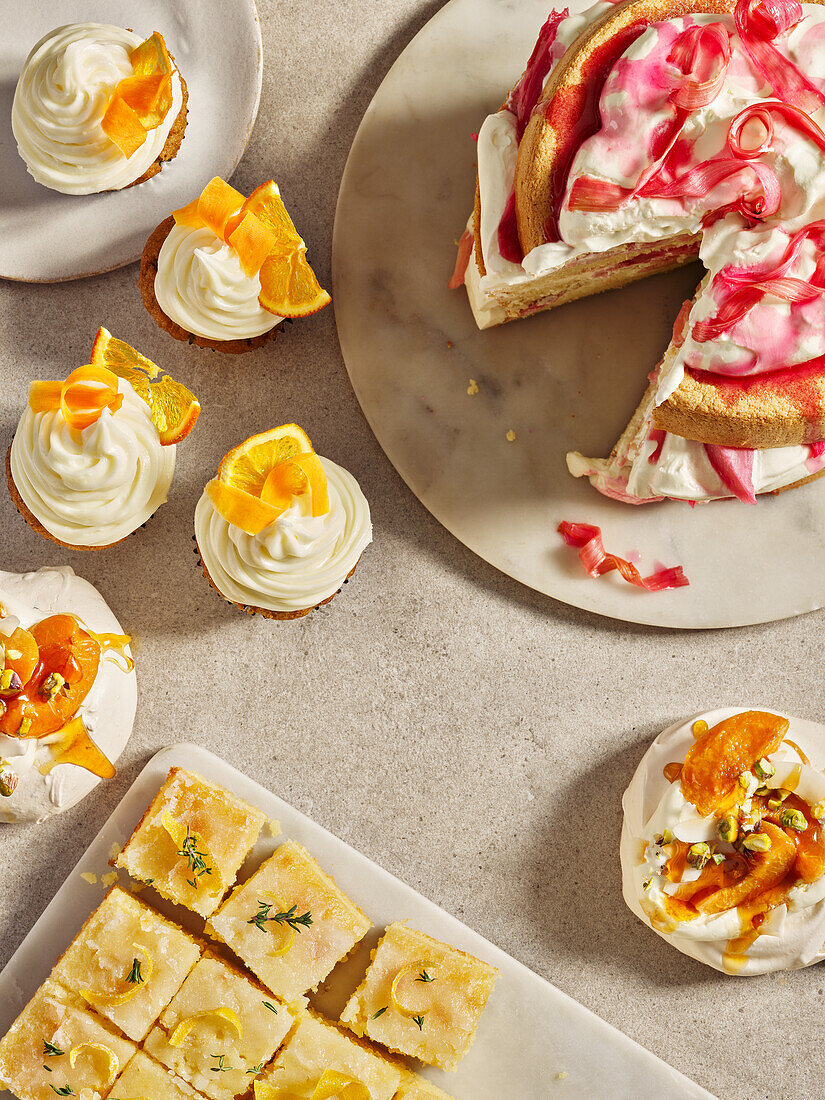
<point x="226" y="270"/>
<point x="280" y="529"/>
<point x="98" y="108"/>
<point x="67" y="692"/>
<point x="723" y="843"/>
<point x="93" y="457"/>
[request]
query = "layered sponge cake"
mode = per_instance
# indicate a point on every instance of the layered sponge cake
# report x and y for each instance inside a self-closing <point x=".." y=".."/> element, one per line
<point x="640" y="135"/>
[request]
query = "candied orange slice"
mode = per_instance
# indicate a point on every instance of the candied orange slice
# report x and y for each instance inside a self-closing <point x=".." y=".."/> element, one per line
<point x="132" y="983"/>
<point x="102" y="1055"/>
<point x="81" y="399"/>
<point x="247" y="466"/>
<point x="67" y="649"/>
<point x="299" y="475"/>
<point x="252" y="241"/>
<point x="766" y="870"/>
<point x="289" y="287"/>
<point x="239" y="508"/>
<point x="216" y="205"/>
<point x="21" y="653"/>
<point x="220" y="1016"/>
<point x="715" y="760"/>
<point x="140" y="102"/>
<point x="174" y="408"/>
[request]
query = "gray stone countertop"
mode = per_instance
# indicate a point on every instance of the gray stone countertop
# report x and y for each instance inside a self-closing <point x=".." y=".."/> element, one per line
<point x="468" y="734"/>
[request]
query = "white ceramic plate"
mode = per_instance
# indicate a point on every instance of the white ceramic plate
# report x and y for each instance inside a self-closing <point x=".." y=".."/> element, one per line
<point x="529" y="1034"/>
<point x="565" y="380"/>
<point x="47" y="237"/>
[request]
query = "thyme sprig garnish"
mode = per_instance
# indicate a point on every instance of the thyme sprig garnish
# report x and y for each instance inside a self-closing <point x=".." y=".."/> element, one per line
<point x="425" y="977"/>
<point x="220" y="1067"/>
<point x="380" y="1012"/>
<point x="64" y="1090"/>
<point x="135" y="975"/>
<point x="195" y="860"/>
<point x="287" y="917"/>
<point x="270" y="1006"/>
<point x="51" y="1051"/>
<point x="420" y="1021"/>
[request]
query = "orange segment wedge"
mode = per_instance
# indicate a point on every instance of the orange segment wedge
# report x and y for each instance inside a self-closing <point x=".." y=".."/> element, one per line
<point x="173" y="407"/>
<point x="266" y="203"/>
<point x="247" y="466"/>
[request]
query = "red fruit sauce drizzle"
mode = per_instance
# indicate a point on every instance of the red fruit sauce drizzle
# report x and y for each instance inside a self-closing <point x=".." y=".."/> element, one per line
<point x="509" y="244"/>
<point x="597" y="561"/>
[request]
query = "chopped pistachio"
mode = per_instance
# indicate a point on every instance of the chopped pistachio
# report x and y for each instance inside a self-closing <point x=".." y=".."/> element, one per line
<point x="761" y="791"/>
<point x="8" y="779"/>
<point x="24" y="727"/>
<point x="698" y="855"/>
<point x="10" y="682"/>
<point x="774" y="803"/>
<point x="745" y="779"/>
<point x="819" y="809"/>
<point x="53" y="683"/>
<point x="646" y="883"/>
<point x="757" y="842"/>
<point x="718" y="858"/>
<point x="667" y="836"/>
<point x="764" y="768"/>
<point x="793" y="819"/>
<point x="728" y="828"/>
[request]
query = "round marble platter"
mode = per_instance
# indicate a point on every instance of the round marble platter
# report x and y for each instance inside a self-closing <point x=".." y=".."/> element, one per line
<point x="48" y="237"/>
<point x="564" y="380"/>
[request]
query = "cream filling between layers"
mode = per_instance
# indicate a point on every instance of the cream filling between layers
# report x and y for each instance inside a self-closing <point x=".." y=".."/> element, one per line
<point x="793" y="934"/>
<point x="108" y="711"/>
<point x="201" y="286"/>
<point x="296" y="562"/>
<point x="59" y="104"/>
<point x="92" y="487"/>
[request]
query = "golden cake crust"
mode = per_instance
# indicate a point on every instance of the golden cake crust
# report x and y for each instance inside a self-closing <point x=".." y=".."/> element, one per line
<point x="146" y="279"/>
<point x="35" y="523"/>
<point x="541" y="155"/>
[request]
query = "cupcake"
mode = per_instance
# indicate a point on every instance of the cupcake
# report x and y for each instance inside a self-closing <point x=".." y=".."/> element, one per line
<point x="280" y="529"/>
<point x="225" y="271"/>
<point x="723" y="851"/>
<point x="67" y="692"/>
<point x="97" y="108"/>
<point x="93" y="457"/>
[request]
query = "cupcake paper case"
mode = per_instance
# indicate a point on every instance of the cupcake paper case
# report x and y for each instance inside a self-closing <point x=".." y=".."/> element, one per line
<point x="225" y="271"/>
<point x="280" y="529"/>
<point x="98" y="108"/>
<point x="93" y="457"/>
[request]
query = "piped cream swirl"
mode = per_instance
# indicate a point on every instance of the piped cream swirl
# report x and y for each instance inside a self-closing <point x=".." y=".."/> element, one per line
<point x="59" y="104"/>
<point x="201" y="286"/>
<point x="296" y="562"/>
<point x="92" y="487"/>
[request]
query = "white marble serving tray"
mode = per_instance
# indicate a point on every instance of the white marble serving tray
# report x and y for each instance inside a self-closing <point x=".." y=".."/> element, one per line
<point x="565" y="380"/>
<point x="46" y="236"/>
<point x="530" y="1033"/>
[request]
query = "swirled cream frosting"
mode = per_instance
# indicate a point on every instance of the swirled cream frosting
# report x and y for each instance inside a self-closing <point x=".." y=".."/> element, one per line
<point x="296" y="562"/>
<point x="201" y="286"/>
<point x="59" y="104"/>
<point x="781" y="926"/>
<point x="92" y="487"/>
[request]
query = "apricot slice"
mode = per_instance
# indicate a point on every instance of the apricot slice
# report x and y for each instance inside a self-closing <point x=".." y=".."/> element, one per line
<point x="766" y="870"/>
<point x="21" y="653"/>
<point x="716" y="760"/>
<point x="70" y="651"/>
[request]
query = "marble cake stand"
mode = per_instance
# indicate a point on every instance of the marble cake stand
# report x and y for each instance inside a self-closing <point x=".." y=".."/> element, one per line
<point x="564" y="380"/>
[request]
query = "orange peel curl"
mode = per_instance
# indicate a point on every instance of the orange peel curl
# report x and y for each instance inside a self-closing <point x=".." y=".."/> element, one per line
<point x="81" y="399"/>
<point x="140" y="102"/>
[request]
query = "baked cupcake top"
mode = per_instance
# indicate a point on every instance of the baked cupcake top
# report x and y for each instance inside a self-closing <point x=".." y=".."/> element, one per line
<point x="232" y="268"/>
<point x="281" y="528"/>
<point x="93" y="457"/>
<point x="723" y="852"/>
<point x="67" y="692"/>
<point x="94" y="106"/>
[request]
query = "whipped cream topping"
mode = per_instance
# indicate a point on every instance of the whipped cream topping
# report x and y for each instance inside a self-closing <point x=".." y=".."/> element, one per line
<point x="649" y="465"/>
<point x="59" y="104"/>
<point x="108" y="711"/>
<point x="296" y="562"/>
<point x="793" y="934"/>
<point x="92" y="487"/>
<point x="201" y="286"/>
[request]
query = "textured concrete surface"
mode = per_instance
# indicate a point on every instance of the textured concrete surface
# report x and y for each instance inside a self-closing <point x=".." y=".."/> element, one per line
<point x="472" y="737"/>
